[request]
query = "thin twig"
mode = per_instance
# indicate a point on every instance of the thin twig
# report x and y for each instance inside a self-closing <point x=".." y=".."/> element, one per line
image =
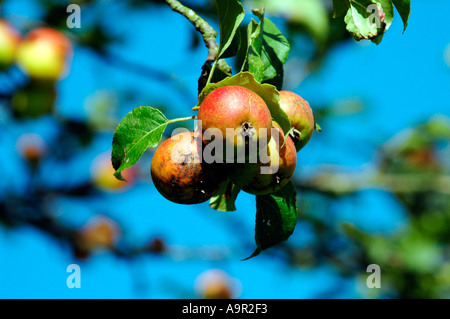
<point x="209" y="37"/>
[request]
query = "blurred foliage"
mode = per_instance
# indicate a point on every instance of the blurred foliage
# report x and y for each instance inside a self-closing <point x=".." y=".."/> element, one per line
<point x="413" y="166"/>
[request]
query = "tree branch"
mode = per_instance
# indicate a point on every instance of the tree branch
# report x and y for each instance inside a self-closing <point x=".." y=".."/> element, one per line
<point x="145" y="71"/>
<point x="347" y="183"/>
<point x="209" y="37"/>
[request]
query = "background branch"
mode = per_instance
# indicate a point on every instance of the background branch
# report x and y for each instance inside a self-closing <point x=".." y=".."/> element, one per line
<point x="347" y="183"/>
<point x="145" y="71"/>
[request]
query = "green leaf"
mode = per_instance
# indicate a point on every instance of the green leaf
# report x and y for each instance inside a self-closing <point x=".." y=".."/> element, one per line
<point x="404" y="9"/>
<point x="387" y="17"/>
<point x="219" y="73"/>
<point x="339" y="7"/>
<point x="388" y="10"/>
<point x="317" y="127"/>
<point x="276" y="217"/>
<point x="226" y="196"/>
<point x="231" y="13"/>
<point x="234" y="47"/>
<point x="139" y="129"/>
<point x="267" y="50"/>
<point x="362" y="22"/>
<point x="275" y="50"/>
<point x="254" y="63"/>
<point x="268" y="93"/>
<point x="370" y="19"/>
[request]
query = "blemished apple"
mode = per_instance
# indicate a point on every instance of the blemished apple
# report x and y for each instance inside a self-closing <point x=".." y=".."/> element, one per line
<point x="9" y="43"/>
<point x="278" y="169"/>
<point x="100" y="232"/>
<point x="180" y="175"/>
<point x="44" y="54"/>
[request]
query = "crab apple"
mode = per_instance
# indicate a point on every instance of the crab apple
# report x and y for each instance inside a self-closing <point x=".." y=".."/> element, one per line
<point x="32" y="147"/>
<point x="239" y="116"/>
<point x="100" y="232"/>
<point x="272" y="170"/>
<point x="9" y="42"/>
<point x="179" y="173"/>
<point x="216" y="284"/>
<point x="43" y="53"/>
<point x="300" y="115"/>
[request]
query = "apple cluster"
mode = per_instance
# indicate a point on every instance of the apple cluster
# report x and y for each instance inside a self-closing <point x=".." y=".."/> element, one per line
<point x="180" y="174"/>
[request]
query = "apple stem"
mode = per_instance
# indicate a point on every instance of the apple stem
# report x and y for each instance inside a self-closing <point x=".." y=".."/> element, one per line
<point x="211" y="73"/>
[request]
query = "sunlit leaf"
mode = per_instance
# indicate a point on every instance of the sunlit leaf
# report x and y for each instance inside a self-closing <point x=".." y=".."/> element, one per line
<point x="231" y="13"/>
<point x="139" y="129"/>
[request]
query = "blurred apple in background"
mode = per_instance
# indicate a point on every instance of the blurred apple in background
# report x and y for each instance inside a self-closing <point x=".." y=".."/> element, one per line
<point x="102" y="173"/>
<point x="100" y="232"/>
<point x="217" y="284"/>
<point x="44" y="54"/>
<point x="32" y="147"/>
<point x="9" y="43"/>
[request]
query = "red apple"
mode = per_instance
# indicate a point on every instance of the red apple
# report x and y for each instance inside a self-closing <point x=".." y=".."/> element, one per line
<point x="9" y="42"/>
<point x="300" y="115"/>
<point x="180" y="175"/>
<point x="272" y="170"/>
<point x="238" y="116"/>
<point x="100" y="232"/>
<point x="44" y="53"/>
